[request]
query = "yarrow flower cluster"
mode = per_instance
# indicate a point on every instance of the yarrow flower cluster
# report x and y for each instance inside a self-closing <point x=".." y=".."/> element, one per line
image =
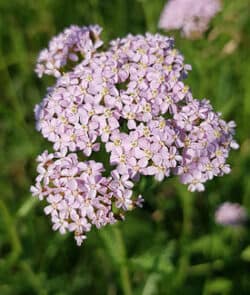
<point x="190" y="16"/>
<point x="131" y="99"/>
<point x="71" y="45"/>
<point x="230" y="214"/>
<point x="78" y="195"/>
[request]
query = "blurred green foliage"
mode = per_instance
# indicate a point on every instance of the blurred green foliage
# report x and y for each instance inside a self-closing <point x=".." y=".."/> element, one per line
<point x="172" y="245"/>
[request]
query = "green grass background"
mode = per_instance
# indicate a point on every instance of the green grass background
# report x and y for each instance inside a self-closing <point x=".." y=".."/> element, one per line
<point x="172" y="245"/>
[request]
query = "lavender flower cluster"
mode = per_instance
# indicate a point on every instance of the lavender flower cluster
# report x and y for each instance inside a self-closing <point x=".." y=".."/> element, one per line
<point x="190" y="16"/>
<point x="231" y="214"/>
<point x="78" y="195"/>
<point x="130" y="98"/>
<point x="71" y="45"/>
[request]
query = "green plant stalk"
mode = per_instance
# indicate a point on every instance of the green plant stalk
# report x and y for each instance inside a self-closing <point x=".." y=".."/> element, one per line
<point x="114" y="243"/>
<point x="125" y="280"/>
<point x="187" y="207"/>
<point x="124" y="273"/>
<point x="95" y="12"/>
<point x="10" y="228"/>
<point x="12" y="95"/>
<point x="150" y="22"/>
<point x="33" y="279"/>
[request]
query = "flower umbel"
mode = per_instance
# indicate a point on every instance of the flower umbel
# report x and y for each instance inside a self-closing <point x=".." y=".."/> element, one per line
<point x="190" y="16"/>
<point x="230" y="214"/>
<point x="132" y="99"/>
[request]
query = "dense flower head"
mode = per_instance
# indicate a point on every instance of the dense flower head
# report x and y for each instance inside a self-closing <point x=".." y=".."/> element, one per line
<point x="78" y="195"/>
<point x="130" y="98"/>
<point x="73" y="43"/>
<point x="190" y="16"/>
<point x="230" y="214"/>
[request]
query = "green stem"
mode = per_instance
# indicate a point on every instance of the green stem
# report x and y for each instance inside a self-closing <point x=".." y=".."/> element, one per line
<point x="125" y="280"/>
<point x="12" y="95"/>
<point x="150" y="23"/>
<point x="95" y="8"/>
<point x="187" y="208"/>
<point x="114" y="243"/>
<point x="10" y="228"/>
<point x="124" y="273"/>
<point x="34" y="280"/>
